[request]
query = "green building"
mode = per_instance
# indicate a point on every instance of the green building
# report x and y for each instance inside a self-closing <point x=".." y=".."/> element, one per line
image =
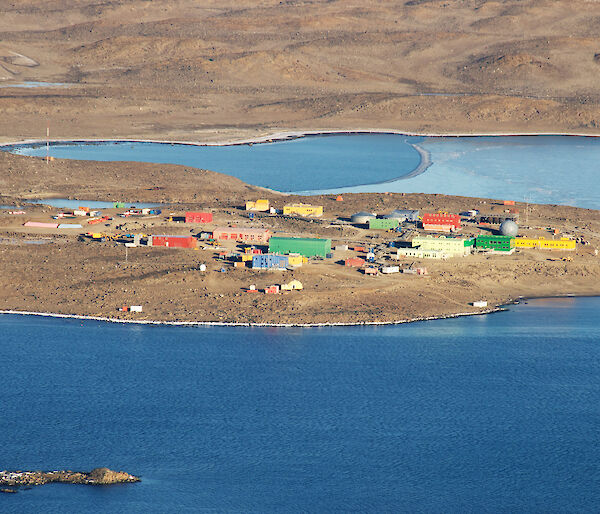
<point x="383" y="223"/>
<point x="306" y="246"/>
<point x="497" y="243"/>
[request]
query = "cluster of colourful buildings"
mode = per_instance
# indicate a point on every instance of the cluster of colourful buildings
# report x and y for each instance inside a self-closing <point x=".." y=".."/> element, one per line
<point x="442" y="247"/>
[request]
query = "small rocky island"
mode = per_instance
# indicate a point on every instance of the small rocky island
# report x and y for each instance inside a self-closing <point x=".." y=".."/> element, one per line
<point x="98" y="476"/>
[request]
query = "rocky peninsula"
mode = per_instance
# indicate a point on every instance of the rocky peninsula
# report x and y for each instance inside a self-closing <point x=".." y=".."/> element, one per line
<point x="65" y="273"/>
<point x="98" y="476"/>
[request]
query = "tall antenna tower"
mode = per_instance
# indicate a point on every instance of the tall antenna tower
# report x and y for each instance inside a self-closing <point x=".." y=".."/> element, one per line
<point x="47" y="141"/>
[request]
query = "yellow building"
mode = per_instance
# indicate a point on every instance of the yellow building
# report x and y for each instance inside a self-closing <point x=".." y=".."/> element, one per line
<point x="291" y="286"/>
<point x="545" y="244"/>
<point x="259" y="205"/>
<point x="303" y="209"/>
<point x="294" y="259"/>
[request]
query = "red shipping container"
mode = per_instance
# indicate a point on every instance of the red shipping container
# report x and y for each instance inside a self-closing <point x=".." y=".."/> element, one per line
<point x="509" y="202"/>
<point x="174" y="241"/>
<point x="198" y="217"/>
<point x="356" y="262"/>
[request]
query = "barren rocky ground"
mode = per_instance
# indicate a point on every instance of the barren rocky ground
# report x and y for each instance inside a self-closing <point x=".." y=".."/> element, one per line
<point x="219" y="70"/>
<point x="185" y="69"/>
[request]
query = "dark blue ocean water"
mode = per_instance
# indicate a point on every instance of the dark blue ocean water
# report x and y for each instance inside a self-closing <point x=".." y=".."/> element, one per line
<point x="497" y="413"/>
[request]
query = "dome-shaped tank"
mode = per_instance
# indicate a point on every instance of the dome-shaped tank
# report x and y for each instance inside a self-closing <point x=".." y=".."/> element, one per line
<point x="405" y="214"/>
<point x="362" y="217"/>
<point x="509" y="228"/>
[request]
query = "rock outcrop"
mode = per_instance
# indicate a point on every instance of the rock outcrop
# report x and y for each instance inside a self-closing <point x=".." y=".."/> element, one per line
<point x="98" y="476"/>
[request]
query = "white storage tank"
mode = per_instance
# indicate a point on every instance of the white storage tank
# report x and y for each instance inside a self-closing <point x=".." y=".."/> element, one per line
<point x="362" y="218"/>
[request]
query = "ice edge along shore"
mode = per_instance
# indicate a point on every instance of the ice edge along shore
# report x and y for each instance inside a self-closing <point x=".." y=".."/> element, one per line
<point x="249" y="324"/>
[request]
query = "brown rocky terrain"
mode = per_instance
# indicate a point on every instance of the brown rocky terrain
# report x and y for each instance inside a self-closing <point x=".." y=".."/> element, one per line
<point x="214" y="70"/>
<point x="220" y="70"/>
<point x="33" y="178"/>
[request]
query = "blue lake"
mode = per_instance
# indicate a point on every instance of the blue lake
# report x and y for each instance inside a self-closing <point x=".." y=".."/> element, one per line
<point x="497" y="413"/>
<point x="311" y="162"/>
<point x="29" y="84"/>
<point x="540" y="169"/>
<point x="93" y="204"/>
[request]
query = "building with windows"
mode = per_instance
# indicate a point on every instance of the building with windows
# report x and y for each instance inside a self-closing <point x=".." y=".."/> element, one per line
<point x="451" y="246"/>
<point x="249" y="235"/>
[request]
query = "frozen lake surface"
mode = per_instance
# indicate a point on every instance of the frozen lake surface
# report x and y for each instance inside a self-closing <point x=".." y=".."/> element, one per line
<point x="539" y="169"/>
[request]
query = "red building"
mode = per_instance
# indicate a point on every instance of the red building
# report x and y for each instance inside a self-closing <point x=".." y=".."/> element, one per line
<point x="441" y="222"/>
<point x="174" y="241"/>
<point x="198" y="217"/>
<point x="355" y="262"/>
<point x="249" y="235"/>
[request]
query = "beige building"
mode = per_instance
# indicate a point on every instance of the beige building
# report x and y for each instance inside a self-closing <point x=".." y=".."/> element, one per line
<point x="451" y="246"/>
<point x="417" y="253"/>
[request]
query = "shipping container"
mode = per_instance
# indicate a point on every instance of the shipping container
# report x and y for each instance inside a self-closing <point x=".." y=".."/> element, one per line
<point x="306" y="246"/>
<point x="355" y="262"/>
<point x="198" y="217"/>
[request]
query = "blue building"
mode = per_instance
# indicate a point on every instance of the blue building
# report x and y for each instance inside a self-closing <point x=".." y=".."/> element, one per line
<point x="270" y="261"/>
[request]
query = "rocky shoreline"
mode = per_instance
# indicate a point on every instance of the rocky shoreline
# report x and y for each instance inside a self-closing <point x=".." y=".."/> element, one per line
<point x="200" y="323"/>
<point x="98" y="476"/>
